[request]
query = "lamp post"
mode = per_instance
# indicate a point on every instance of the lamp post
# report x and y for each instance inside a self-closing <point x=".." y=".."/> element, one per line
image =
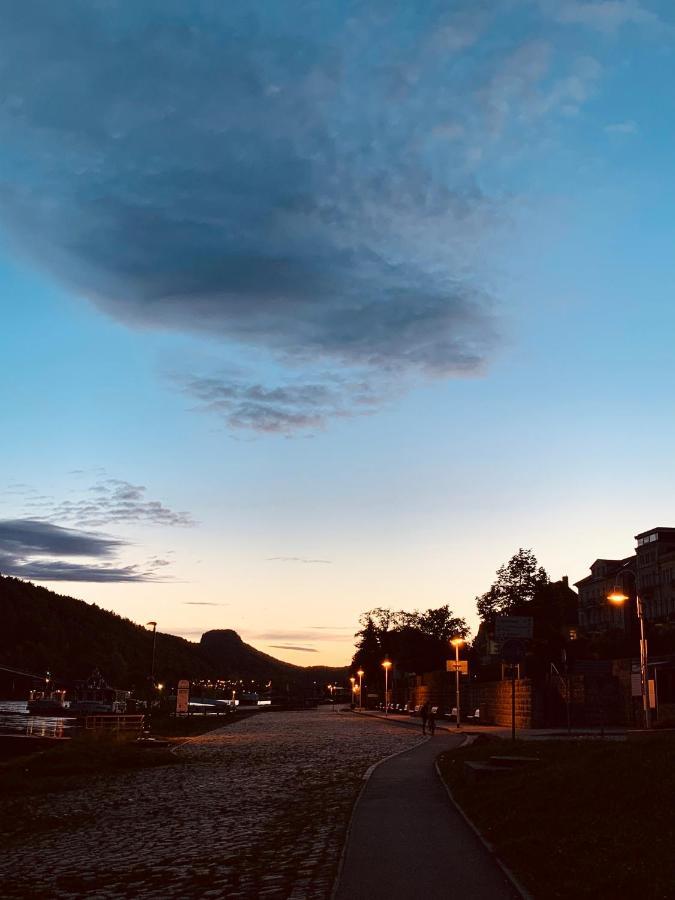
<point x="386" y="665"/>
<point x="360" y="673"/>
<point x="353" y="681"/>
<point x="152" y="625"/>
<point x="457" y="643"/>
<point x="618" y="597"/>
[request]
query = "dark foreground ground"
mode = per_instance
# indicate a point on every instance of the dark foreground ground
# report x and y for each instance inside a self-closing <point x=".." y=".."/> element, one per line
<point x="593" y="819"/>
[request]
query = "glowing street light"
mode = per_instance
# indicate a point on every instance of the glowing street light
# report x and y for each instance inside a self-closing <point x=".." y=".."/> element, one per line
<point x="618" y="597"/>
<point x="152" y="625"/>
<point x="457" y="643"/>
<point x="360" y="673"/>
<point x="353" y="681"/>
<point x="386" y="665"/>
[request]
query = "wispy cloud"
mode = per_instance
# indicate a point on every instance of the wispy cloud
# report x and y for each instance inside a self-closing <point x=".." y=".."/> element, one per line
<point x="603" y="15"/>
<point x="202" y="603"/>
<point x="309" y="634"/>
<point x="294" y="647"/>
<point x="286" y="408"/>
<point x="114" y="501"/>
<point x="33" y="549"/>
<point x="299" y="559"/>
<point x="627" y="127"/>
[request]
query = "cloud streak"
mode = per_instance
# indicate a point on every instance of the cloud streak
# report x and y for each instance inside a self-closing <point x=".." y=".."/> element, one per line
<point x="294" y="647"/>
<point x="34" y="549"/>
<point x="299" y="559"/>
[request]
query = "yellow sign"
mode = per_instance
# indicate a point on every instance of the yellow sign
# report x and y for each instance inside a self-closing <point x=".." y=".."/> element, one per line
<point x="461" y="666"/>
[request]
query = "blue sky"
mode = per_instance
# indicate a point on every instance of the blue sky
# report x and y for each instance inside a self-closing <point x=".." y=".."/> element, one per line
<point x="309" y="313"/>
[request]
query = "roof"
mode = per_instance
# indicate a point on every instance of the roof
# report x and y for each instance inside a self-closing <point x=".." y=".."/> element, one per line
<point x="660" y="528"/>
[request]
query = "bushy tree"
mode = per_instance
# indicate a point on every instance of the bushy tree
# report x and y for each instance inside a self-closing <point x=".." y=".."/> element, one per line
<point x="414" y="641"/>
<point x="517" y="583"/>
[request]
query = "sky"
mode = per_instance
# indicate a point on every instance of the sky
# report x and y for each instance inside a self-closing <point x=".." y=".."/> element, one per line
<point x="312" y="308"/>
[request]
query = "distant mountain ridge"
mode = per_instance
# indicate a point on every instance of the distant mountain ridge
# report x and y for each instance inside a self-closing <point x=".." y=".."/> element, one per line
<point x="41" y="631"/>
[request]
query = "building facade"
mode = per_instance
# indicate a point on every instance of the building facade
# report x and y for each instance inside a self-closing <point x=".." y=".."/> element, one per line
<point x="651" y="569"/>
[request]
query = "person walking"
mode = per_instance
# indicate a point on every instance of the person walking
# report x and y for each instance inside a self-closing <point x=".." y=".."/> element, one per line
<point x="431" y="721"/>
<point x="424" y="713"/>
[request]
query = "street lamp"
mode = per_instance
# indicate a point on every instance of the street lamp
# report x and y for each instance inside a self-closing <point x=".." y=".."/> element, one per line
<point x="618" y="598"/>
<point x="386" y="665"/>
<point x="152" y="625"/>
<point x="360" y="673"/>
<point x="457" y="643"/>
<point x="353" y="681"/>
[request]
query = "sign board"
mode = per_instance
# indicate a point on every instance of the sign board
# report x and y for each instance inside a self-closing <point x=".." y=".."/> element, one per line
<point x="182" y="697"/>
<point x="514" y="650"/>
<point x="595" y="667"/>
<point x="461" y="666"/>
<point x="513" y="627"/>
<point x="651" y="684"/>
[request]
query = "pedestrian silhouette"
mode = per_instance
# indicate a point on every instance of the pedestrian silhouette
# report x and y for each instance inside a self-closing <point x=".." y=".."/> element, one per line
<point x="431" y="721"/>
<point x="424" y="713"/>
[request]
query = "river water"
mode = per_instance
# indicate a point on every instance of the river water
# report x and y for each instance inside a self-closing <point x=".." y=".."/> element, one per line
<point x="14" y="719"/>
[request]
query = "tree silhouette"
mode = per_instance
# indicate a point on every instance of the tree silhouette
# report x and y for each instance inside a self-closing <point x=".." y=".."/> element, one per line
<point x="516" y="584"/>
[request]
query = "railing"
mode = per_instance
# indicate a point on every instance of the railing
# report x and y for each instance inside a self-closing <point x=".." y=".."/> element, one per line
<point x="114" y="723"/>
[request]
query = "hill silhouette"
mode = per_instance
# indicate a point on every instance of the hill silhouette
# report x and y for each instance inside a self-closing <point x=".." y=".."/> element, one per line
<point x="45" y="631"/>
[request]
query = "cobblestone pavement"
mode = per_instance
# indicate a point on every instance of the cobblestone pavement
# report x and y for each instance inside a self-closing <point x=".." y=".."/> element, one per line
<point x="257" y="809"/>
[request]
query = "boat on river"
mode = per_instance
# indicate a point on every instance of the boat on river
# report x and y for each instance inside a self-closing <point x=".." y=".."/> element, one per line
<point x="95" y="697"/>
<point x="47" y="703"/>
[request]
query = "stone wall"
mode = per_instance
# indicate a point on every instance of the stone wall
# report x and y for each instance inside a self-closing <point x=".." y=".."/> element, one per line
<point x="495" y="703"/>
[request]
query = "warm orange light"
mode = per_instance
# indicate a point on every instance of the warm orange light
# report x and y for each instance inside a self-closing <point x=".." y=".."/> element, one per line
<point x="457" y="641"/>
<point x="352" y="679"/>
<point x="617" y="597"/>
<point x="387" y="664"/>
<point x="360" y="673"/>
<point x="160" y="687"/>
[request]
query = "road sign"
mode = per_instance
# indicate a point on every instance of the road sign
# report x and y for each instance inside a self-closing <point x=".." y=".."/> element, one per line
<point x="461" y="666"/>
<point x="514" y="650"/>
<point x="507" y="627"/>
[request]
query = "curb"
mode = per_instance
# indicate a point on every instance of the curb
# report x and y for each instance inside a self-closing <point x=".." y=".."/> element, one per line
<point x="365" y="778"/>
<point x="515" y="883"/>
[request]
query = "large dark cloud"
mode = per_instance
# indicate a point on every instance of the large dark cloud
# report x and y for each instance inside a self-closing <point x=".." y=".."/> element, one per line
<point x="30" y="548"/>
<point x="265" y="172"/>
<point x="24" y="537"/>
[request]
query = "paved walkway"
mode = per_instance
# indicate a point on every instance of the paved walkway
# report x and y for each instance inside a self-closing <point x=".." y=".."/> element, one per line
<point x="408" y="841"/>
<point x="256" y="810"/>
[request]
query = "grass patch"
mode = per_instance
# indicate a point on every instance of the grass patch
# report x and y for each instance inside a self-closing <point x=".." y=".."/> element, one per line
<point x="592" y="819"/>
<point x="91" y="753"/>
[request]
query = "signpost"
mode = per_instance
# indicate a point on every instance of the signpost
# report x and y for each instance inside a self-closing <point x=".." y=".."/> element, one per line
<point x="513" y="652"/>
<point x="460" y="665"/>
<point x="183" y="697"/>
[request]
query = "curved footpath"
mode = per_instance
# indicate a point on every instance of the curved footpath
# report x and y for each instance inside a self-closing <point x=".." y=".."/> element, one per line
<point x="407" y="840"/>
